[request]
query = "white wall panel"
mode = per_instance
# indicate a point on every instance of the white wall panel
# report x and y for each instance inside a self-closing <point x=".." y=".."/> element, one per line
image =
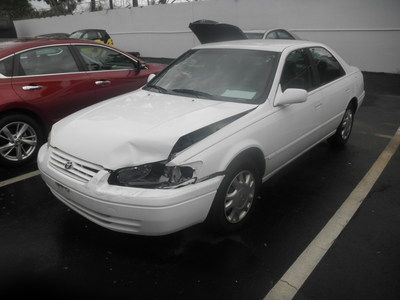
<point x="365" y="32"/>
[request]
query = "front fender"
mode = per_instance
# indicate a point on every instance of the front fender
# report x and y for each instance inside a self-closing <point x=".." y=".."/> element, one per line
<point x="218" y="157"/>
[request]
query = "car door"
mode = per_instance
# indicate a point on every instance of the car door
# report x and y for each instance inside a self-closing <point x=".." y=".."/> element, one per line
<point x="49" y="79"/>
<point x="294" y="126"/>
<point x="111" y="72"/>
<point x="6" y="65"/>
<point x="336" y="90"/>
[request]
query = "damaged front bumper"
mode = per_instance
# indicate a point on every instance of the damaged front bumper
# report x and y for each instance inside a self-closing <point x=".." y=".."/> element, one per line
<point x="126" y="209"/>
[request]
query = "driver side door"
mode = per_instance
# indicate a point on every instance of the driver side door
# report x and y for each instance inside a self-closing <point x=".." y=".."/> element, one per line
<point x="295" y="126"/>
<point x="112" y="73"/>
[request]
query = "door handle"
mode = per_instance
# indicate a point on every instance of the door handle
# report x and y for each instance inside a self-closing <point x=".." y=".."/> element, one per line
<point x="32" y="87"/>
<point x="102" y="82"/>
<point x="318" y="106"/>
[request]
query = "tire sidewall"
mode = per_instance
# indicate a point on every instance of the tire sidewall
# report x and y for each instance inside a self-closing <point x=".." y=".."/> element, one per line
<point x="4" y="120"/>
<point x="337" y="140"/>
<point x="341" y="126"/>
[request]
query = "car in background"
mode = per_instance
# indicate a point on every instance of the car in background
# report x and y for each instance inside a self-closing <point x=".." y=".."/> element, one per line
<point x="44" y="80"/>
<point x="271" y="34"/>
<point x="197" y="141"/>
<point x="7" y="29"/>
<point x="208" y="31"/>
<point x="57" y="35"/>
<point x="97" y="35"/>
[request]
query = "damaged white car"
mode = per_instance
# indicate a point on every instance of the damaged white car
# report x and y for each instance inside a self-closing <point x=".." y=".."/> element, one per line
<point x="198" y="140"/>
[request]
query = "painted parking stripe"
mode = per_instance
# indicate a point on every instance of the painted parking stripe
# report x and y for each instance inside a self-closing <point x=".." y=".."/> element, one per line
<point x="19" y="178"/>
<point x="287" y="287"/>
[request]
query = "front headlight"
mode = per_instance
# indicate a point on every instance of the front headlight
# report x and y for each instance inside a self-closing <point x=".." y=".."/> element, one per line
<point x="155" y="175"/>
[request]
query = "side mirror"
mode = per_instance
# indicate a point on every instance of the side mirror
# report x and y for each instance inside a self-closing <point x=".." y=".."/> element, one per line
<point x="151" y="76"/>
<point x="290" y="96"/>
<point x="143" y="66"/>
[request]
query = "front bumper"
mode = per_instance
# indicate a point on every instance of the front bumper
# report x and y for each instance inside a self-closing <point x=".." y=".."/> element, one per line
<point x="130" y="210"/>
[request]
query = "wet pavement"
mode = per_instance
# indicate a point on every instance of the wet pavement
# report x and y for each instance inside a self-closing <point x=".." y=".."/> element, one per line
<point x="48" y="250"/>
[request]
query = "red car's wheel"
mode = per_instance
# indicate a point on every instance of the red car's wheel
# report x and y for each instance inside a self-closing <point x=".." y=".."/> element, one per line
<point x="20" y="139"/>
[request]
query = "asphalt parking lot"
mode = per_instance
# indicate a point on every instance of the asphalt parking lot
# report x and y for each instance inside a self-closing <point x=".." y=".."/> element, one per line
<point x="48" y="250"/>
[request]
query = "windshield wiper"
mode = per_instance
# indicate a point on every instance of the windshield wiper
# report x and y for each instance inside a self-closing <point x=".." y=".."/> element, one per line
<point x="197" y="94"/>
<point x="158" y="88"/>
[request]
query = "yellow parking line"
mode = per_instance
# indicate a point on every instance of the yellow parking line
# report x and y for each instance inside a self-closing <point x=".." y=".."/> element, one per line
<point x="19" y="178"/>
<point x="287" y="287"/>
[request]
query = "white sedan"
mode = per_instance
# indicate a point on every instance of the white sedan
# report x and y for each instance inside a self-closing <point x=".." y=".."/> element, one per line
<point x="271" y="34"/>
<point x="198" y="140"/>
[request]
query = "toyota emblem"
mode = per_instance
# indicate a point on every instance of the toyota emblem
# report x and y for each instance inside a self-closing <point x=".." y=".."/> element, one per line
<point x="68" y="165"/>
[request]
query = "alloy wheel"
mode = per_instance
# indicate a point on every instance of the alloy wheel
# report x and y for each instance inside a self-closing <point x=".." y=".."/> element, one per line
<point x="18" y="141"/>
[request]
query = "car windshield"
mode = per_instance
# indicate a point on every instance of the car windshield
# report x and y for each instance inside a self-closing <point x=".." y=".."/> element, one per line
<point x="237" y="75"/>
<point x="254" y="35"/>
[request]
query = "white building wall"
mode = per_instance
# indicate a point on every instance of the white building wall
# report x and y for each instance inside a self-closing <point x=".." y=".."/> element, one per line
<point x="365" y="32"/>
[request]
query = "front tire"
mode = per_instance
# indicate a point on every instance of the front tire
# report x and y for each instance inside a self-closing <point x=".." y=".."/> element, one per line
<point x="20" y="139"/>
<point x="342" y="134"/>
<point x="236" y="198"/>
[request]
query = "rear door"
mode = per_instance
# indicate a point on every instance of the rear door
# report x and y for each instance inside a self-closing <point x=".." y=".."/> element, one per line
<point x="111" y="72"/>
<point x="337" y="90"/>
<point x="50" y="80"/>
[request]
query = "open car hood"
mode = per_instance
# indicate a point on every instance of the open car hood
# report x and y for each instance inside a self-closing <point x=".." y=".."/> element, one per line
<point x="208" y="31"/>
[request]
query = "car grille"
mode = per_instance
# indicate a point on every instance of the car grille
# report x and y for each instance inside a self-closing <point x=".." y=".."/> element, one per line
<point x="74" y="167"/>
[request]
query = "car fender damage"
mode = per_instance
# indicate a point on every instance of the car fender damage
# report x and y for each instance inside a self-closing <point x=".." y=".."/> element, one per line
<point x="166" y="174"/>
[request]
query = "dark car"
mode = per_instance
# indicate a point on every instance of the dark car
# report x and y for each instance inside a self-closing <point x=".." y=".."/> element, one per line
<point x="43" y="80"/>
<point x="7" y="29"/>
<point x="98" y="35"/>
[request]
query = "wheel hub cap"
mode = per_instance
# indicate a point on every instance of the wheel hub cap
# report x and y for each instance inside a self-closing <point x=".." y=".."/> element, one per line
<point x="346" y="124"/>
<point x="239" y="196"/>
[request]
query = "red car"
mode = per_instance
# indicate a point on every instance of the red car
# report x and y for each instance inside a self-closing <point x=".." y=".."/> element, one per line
<point x="42" y="81"/>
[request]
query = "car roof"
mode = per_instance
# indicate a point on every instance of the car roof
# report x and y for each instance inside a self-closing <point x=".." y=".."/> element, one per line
<point x="85" y="30"/>
<point x="275" y="45"/>
<point x="17" y="45"/>
<point x="256" y="31"/>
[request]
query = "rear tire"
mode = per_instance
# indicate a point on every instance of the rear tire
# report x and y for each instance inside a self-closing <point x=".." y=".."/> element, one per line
<point x="20" y="139"/>
<point x="342" y="134"/>
<point x="236" y="197"/>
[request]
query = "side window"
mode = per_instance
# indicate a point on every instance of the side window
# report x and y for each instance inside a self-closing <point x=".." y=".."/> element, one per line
<point x="271" y="35"/>
<point x="297" y="71"/>
<point x="75" y="35"/>
<point x="100" y="58"/>
<point x="328" y="67"/>
<point x="6" y="66"/>
<point x="282" y="34"/>
<point x="48" y="60"/>
<point x="92" y="35"/>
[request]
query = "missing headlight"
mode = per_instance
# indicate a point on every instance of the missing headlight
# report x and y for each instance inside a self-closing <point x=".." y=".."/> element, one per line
<point x="154" y="175"/>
